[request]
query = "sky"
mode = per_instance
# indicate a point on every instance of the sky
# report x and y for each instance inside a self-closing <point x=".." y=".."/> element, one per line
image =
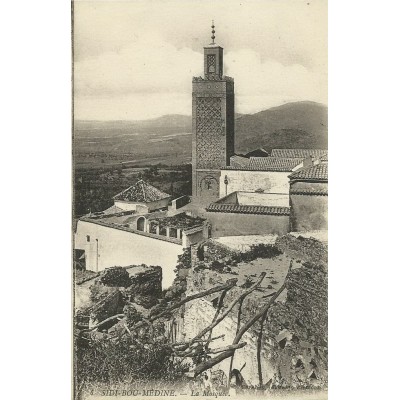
<point x="135" y="59"/>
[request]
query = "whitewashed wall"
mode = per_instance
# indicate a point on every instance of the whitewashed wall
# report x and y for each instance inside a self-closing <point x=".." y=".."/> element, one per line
<point x="249" y="181"/>
<point x="121" y="248"/>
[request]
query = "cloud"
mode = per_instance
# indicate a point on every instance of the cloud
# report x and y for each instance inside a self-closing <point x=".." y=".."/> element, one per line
<point x="148" y="65"/>
<point x="128" y="66"/>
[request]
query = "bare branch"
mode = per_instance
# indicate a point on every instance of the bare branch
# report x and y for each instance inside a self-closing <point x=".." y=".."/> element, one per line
<point x="231" y="347"/>
<point x="103" y="322"/>
<point x="222" y="356"/>
<point x="230" y="307"/>
<point x="229" y="284"/>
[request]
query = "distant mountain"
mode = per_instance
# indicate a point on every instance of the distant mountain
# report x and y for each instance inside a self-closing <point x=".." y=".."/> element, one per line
<point x="167" y="139"/>
<point x="302" y="125"/>
<point x="165" y="124"/>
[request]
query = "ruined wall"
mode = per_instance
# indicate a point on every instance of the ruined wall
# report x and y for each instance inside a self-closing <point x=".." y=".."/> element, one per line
<point x="213" y="251"/>
<point x="305" y="249"/>
<point x="116" y="247"/>
<point x="301" y="358"/>
<point x="200" y="313"/>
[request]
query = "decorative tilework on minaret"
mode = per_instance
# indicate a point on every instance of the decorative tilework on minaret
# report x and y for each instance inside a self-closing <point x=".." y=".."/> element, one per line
<point x="213" y="118"/>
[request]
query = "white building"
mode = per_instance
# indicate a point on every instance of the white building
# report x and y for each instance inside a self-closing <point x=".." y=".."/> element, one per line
<point x="136" y="230"/>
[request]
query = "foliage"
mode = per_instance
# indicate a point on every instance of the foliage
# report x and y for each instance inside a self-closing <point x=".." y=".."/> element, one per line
<point x="116" y="276"/>
<point x="94" y="188"/>
<point x="98" y="292"/>
<point x="217" y="266"/>
<point x="132" y="315"/>
<point x="106" y="361"/>
<point x="184" y="260"/>
<point x="258" y="251"/>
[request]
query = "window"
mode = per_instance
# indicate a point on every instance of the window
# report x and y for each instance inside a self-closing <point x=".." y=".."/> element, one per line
<point x="87" y="238"/>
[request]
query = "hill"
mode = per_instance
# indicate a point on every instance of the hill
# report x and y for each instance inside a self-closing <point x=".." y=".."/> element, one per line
<point x="167" y="139"/>
<point x="301" y="125"/>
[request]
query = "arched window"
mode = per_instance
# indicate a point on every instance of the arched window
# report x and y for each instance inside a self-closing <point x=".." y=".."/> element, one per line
<point x="140" y="223"/>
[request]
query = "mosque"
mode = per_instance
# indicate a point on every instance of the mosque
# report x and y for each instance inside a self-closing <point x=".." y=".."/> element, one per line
<point x="259" y="193"/>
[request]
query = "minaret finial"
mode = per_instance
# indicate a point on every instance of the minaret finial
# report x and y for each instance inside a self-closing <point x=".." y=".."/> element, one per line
<point x="213" y="32"/>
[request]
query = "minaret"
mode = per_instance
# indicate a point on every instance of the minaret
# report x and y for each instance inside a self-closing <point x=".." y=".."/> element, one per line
<point x="213" y="119"/>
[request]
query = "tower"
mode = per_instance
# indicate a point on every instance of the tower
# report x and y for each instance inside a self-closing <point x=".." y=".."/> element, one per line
<point x="213" y="119"/>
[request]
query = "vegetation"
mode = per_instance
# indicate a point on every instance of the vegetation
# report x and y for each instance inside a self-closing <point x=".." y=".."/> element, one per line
<point x="127" y="360"/>
<point x="94" y="188"/>
<point x="116" y="276"/>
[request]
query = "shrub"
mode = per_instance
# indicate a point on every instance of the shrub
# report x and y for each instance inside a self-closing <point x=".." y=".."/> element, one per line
<point x="257" y="251"/>
<point x="217" y="266"/>
<point x="105" y="361"/>
<point x="116" y="276"/>
<point x="184" y="260"/>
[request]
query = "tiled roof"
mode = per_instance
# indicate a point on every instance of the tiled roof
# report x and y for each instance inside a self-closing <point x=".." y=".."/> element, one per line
<point x="141" y="192"/>
<point x="269" y="164"/>
<point x="112" y="210"/>
<point x="193" y="230"/>
<point x="274" y="163"/>
<point x="309" y="192"/>
<point x="298" y="153"/>
<point x="317" y="172"/>
<point x="240" y="209"/>
<point x="324" y="158"/>
<point x="180" y="221"/>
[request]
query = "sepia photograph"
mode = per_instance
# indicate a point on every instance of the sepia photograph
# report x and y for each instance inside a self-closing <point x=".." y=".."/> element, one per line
<point x="200" y="199"/>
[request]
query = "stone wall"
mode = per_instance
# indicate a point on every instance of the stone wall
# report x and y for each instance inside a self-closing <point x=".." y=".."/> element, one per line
<point x="299" y="329"/>
<point x="214" y="251"/>
<point x="198" y="314"/>
<point x="305" y="249"/>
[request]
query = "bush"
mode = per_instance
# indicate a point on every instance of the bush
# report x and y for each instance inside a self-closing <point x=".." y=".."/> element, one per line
<point x="105" y="361"/>
<point x="257" y="251"/>
<point x="116" y="276"/>
<point x="184" y="260"/>
<point x="217" y="266"/>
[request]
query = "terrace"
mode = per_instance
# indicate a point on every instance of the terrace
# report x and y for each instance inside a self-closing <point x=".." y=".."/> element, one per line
<point x="156" y="225"/>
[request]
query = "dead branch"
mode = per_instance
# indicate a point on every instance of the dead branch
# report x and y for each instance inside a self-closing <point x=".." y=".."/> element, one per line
<point x="197" y="340"/>
<point x="259" y="346"/>
<point x="218" y="310"/>
<point x="226" y="348"/>
<point x="229" y="353"/>
<point x="237" y="331"/>
<point x="229" y="284"/>
<point x="103" y="322"/>
<point x="230" y="307"/>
